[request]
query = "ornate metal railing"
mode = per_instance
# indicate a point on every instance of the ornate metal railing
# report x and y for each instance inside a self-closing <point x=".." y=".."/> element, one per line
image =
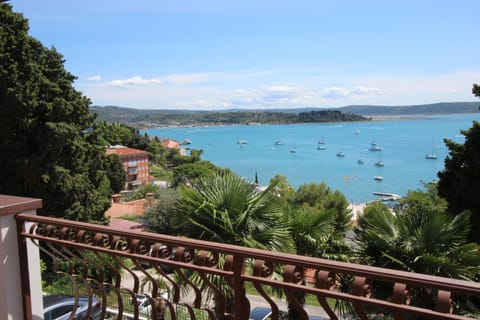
<point x="97" y="259"/>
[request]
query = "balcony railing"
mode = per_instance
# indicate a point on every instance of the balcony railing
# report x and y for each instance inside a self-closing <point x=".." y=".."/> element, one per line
<point x="210" y="279"/>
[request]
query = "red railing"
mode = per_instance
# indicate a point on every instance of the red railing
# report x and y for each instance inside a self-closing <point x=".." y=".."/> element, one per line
<point x="217" y="275"/>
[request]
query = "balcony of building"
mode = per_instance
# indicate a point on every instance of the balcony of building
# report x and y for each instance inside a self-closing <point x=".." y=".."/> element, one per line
<point x="141" y="275"/>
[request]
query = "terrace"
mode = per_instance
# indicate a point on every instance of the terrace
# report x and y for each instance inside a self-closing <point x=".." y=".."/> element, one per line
<point x="76" y="248"/>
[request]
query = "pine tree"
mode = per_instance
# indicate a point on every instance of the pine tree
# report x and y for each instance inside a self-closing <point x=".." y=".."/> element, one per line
<point x="43" y="151"/>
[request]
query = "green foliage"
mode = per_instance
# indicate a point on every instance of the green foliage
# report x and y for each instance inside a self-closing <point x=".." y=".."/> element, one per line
<point x="115" y="173"/>
<point x="192" y="173"/>
<point x="42" y="120"/>
<point x="420" y="237"/>
<point x="320" y="196"/>
<point x="143" y="191"/>
<point x="476" y="90"/>
<point x="282" y="188"/>
<point x="193" y="118"/>
<point x="327" y="116"/>
<point x="226" y="208"/>
<point x="311" y="194"/>
<point x="459" y="182"/>
<point x="310" y="228"/>
<point x="159" y="217"/>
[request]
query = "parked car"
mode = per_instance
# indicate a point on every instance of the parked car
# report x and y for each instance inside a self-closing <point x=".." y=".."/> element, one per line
<point x="144" y="306"/>
<point x="60" y="307"/>
<point x="261" y="313"/>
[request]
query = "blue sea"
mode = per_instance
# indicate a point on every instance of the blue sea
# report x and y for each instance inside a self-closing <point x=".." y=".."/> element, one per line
<point x="403" y="143"/>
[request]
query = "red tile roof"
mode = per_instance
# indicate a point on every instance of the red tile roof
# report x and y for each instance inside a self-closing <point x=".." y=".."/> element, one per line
<point x="126" y="209"/>
<point x="126" y="225"/>
<point x="171" y="144"/>
<point x="125" y="151"/>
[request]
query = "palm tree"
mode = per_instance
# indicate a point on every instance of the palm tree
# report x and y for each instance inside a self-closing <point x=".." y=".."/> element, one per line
<point x="419" y="237"/>
<point x="228" y="209"/>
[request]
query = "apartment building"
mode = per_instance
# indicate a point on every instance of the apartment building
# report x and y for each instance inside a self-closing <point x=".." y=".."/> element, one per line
<point x="135" y="163"/>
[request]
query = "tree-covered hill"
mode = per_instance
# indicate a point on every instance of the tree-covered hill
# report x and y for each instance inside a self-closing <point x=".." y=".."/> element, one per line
<point x="169" y="117"/>
<point x="149" y="118"/>
<point x="434" y="108"/>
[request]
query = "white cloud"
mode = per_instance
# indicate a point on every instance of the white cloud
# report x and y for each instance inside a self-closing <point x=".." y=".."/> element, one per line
<point x="134" y="81"/>
<point x="94" y="78"/>
<point x="188" y="78"/>
<point x="341" y="93"/>
<point x="334" y="93"/>
<point x="275" y="89"/>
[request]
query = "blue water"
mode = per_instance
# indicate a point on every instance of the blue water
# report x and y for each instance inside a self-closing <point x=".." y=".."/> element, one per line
<point x="404" y="146"/>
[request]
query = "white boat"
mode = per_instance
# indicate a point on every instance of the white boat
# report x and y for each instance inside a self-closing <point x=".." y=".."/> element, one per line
<point x="357" y="131"/>
<point x="379" y="163"/>
<point x="242" y="142"/>
<point x="321" y="141"/>
<point x="321" y="147"/>
<point x="432" y="155"/>
<point x="378" y="178"/>
<point x="374" y="147"/>
<point x="278" y="143"/>
<point x="340" y="154"/>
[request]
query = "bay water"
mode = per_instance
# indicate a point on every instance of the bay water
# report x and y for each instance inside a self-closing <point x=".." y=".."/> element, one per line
<point x="267" y="150"/>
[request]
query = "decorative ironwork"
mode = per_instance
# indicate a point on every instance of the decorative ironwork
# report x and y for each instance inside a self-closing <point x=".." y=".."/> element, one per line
<point x="206" y="280"/>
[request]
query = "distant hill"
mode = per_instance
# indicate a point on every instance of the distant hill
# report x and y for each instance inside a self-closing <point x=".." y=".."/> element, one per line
<point x="434" y="108"/>
<point x="149" y="118"/>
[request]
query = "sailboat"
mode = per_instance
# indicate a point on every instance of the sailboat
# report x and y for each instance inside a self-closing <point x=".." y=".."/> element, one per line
<point x="321" y="141"/>
<point x="341" y="153"/>
<point x="379" y="163"/>
<point x="293" y="149"/>
<point x="357" y="131"/>
<point x="360" y="160"/>
<point x="374" y="146"/>
<point x="432" y="155"/>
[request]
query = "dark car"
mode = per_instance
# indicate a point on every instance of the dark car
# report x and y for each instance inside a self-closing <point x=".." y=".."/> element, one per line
<point x="60" y="307"/>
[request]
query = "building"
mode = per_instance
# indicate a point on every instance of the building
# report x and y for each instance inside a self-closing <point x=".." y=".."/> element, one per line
<point x="135" y="163"/>
<point x="170" y="144"/>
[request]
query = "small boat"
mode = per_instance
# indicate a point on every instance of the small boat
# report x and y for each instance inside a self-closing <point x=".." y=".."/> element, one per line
<point x="340" y="154"/>
<point x="379" y="163"/>
<point x="360" y="160"/>
<point x="432" y="155"/>
<point x="321" y="141"/>
<point x="378" y="178"/>
<point x="293" y="150"/>
<point x="357" y="131"/>
<point x="321" y="147"/>
<point x="186" y="142"/>
<point x="278" y="143"/>
<point x="242" y="142"/>
<point x="374" y="147"/>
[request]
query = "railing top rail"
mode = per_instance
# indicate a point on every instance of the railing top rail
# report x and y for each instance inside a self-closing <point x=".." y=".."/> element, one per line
<point x="376" y="273"/>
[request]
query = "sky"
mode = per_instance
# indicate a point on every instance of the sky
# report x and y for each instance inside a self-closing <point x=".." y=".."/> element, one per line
<point x="262" y="54"/>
